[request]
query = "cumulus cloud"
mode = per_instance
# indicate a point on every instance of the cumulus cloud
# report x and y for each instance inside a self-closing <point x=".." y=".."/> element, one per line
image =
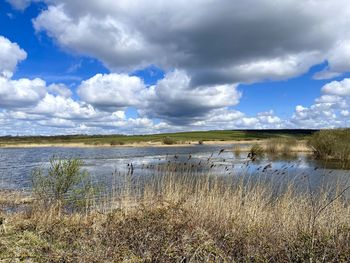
<point x="329" y="110"/>
<point x="174" y="100"/>
<point x="232" y="119"/>
<point x="21" y="93"/>
<point x="103" y="99"/>
<point x="340" y="88"/>
<point x="10" y="55"/>
<point x="60" y="107"/>
<point x="206" y="49"/>
<point x="338" y="60"/>
<point x="215" y="42"/>
<point x="111" y="91"/>
<point x="59" y="90"/>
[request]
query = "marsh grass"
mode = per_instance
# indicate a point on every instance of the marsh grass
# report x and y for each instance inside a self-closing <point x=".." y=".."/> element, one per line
<point x="281" y="146"/>
<point x="237" y="151"/>
<point x="331" y="144"/>
<point x="256" y="151"/>
<point x="182" y="215"/>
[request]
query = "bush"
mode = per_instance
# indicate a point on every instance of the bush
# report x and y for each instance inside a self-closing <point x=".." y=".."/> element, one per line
<point x="168" y="141"/>
<point x="63" y="183"/>
<point x="331" y="144"/>
<point x="200" y="142"/>
<point x="114" y="143"/>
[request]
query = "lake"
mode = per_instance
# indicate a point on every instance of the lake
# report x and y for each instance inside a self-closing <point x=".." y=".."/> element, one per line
<point x="104" y="164"/>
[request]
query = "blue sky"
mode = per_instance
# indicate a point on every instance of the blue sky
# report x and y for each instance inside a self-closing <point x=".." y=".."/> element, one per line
<point x="69" y="67"/>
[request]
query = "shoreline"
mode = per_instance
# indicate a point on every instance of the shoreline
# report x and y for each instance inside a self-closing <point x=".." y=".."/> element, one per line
<point x="135" y="144"/>
<point x="301" y="147"/>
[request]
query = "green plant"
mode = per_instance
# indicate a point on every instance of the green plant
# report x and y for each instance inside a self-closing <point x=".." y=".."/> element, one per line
<point x="168" y="141"/>
<point x="331" y="144"/>
<point x="63" y="183"/>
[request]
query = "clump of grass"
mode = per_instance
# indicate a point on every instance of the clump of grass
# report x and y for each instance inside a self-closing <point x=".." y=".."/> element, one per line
<point x="281" y="146"/>
<point x="256" y="151"/>
<point x="200" y="142"/>
<point x="331" y="144"/>
<point x="115" y="143"/>
<point x="237" y="150"/>
<point x="168" y="141"/>
<point x="272" y="146"/>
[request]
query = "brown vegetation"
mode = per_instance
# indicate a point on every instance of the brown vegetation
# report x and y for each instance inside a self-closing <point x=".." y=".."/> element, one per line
<point x="186" y="218"/>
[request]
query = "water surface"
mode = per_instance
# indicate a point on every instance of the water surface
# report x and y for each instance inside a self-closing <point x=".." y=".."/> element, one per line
<point x="103" y="164"/>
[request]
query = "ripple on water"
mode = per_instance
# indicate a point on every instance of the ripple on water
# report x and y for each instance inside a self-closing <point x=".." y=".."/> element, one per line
<point x="16" y="165"/>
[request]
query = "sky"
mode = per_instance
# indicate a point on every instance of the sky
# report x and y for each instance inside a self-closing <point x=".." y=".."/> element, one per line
<point x="142" y="66"/>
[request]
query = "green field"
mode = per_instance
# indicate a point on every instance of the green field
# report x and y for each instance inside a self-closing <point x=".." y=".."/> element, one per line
<point x="180" y="137"/>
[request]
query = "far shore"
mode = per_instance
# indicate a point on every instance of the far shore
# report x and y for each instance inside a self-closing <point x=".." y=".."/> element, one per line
<point x="134" y="144"/>
<point x="301" y="147"/>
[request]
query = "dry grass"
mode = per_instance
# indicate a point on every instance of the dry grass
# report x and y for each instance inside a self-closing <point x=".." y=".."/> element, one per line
<point x="284" y="146"/>
<point x="186" y="218"/>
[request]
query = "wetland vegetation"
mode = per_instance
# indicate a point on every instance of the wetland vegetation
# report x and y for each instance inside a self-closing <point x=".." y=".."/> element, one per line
<point x="183" y="211"/>
<point x="331" y="144"/>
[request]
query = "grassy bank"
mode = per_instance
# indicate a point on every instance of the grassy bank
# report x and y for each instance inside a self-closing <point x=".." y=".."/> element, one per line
<point x="184" y="218"/>
<point x="174" y="138"/>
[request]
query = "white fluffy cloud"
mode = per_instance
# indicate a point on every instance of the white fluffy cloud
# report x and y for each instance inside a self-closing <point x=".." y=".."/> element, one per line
<point x="331" y="109"/>
<point x="174" y="100"/>
<point x="215" y="42"/>
<point x="21" y="93"/>
<point x="111" y="91"/>
<point x="338" y="60"/>
<point x="10" y="55"/>
<point x="16" y="93"/>
<point x="60" y="107"/>
<point x="340" y="88"/>
<point x="232" y="119"/>
<point x="59" y="90"/>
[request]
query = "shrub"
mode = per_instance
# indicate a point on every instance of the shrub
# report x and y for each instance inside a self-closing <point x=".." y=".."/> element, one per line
<point x="168" y="141"/>
<point x="63" y="183"/>
<point x="200" y="142"/>
<point x="114" y="143"/>
<point x="331" y="144"/>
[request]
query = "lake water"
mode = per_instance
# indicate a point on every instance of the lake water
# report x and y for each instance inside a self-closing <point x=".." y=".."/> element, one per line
<point x="17" y="164"/>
